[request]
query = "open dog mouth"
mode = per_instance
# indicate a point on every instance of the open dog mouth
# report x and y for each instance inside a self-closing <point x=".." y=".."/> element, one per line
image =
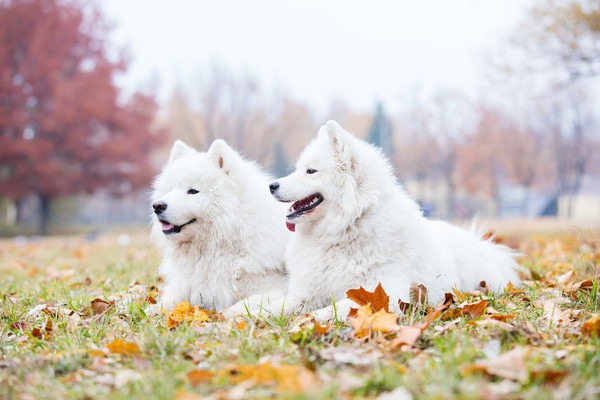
<point x="302" y="207"/>
<point x="169" y="229"/>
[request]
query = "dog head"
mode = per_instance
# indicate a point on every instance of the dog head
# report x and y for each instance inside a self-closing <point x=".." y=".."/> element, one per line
<point x="329" y="183"/>
<point x="192" y="189"/>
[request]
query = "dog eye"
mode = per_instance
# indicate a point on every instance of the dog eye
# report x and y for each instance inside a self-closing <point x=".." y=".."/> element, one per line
<point x="193" y="191"/>
<point x="311" y="171"/>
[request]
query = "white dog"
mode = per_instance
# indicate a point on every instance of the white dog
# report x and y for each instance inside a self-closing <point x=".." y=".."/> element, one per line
<point x="219" y="229"/>
<point x="355" y="226"/>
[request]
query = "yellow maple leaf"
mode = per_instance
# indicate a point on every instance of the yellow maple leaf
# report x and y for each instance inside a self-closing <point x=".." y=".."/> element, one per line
<point x="384" y="322"/>
<point x="120" y="346"/>
<point x="184" y="312"/>
<point x="361" y="322"/>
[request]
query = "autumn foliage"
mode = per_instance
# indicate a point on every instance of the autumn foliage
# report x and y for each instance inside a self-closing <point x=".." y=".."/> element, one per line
<point x="65" y="127"/>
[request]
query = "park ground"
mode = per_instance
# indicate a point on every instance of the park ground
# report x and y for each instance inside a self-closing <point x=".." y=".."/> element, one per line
<point x="79" y="319"/>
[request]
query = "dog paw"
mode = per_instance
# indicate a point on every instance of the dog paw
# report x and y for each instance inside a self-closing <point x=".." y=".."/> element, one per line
<point x="324" y="314"/>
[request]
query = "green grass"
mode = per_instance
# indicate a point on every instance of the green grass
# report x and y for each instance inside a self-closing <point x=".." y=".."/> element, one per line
<point x="74" y="362"/>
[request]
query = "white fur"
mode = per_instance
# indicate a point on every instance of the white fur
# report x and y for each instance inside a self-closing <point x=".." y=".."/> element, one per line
<point x="368" y="230"/>
<point x="235" y="248"/>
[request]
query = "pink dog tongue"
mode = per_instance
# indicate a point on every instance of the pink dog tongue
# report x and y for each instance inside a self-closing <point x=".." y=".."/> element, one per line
<point x="290" y="226"/>
<point x="167" y="226"/>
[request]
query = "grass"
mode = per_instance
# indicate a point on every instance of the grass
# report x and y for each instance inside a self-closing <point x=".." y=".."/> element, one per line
<point x="66" y="302"/>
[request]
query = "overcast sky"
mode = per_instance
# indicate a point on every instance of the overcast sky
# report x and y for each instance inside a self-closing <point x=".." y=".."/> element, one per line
<point x="356" y="51"/>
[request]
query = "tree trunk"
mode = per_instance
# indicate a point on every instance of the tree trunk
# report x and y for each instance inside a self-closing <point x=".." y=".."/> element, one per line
<point x="44" y="216"/>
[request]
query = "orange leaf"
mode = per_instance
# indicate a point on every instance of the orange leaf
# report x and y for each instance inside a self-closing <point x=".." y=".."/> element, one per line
<point x="184" y="312"/>
<point x="378" y="299"/>
<point x="286" y="378"/>
<point x="475" y="310"/>
<point x="503" y="317"/>
<point x="198" y="376"/>
<point x="591" y="327"/>
<point x="361" y="323"/>
<point x="120" y="346"/>
<point x="321" y="329"/>
<point x="460" y="296"/>
<point x="384" y="322"/>
<point x="436" y="312"/>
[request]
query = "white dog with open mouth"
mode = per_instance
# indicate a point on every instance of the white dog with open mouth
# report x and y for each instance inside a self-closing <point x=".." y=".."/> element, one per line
<point x="218" y="228"/>
<point x="354" y="225"/>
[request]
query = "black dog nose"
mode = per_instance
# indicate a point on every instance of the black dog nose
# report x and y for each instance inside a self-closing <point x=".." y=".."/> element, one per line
<point x="159" y="207"/>
<point x="273" y="187"/>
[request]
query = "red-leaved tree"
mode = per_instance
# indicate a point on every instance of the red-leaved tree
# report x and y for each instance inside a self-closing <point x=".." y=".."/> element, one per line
<point x="64" y="126"/>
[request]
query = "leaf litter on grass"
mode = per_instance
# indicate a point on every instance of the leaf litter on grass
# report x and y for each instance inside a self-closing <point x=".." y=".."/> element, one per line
<point x="70" y="333"/>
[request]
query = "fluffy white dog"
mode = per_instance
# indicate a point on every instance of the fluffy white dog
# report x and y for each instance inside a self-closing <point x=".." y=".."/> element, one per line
<point x="356" y="226"/>
<point x="218" y="228"/>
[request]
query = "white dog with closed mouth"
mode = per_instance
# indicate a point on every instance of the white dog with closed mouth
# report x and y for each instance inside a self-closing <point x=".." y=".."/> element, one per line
<point x="354" y="225"/>
<point x="218" y="228"/>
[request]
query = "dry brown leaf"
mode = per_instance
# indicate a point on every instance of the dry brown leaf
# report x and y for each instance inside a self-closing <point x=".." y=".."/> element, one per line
<point x="378" y="299"/>
<point x="120" y="346"/>
<point x="97" y="307"/>
<point x="436" y="312"/>
<point x="198" y="376"/>
<point x="407" y="336"/>
<point x="548" y="376"/>
<point x="44" y="332"/>
<point x="418" y="294"/>
<point x="403" y="306"/>
<point x="591" y="327"/>
<point x="510" y="365"/>
<point x="475" y="310"/>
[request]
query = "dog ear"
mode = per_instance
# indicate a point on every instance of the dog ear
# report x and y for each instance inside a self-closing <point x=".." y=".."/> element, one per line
<point x="179" y="148"/>
<point x="222" y="155"/>
<point x="340" y="140"/>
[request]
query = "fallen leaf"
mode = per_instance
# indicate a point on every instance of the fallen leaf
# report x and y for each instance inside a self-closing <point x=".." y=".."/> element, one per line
<point x="73" y="322"/>
<point x="403" y="306"/>
<point x="286" y="378"/>
<point x="184" y="312"/>
<point x="97" y="307"/>
<point x="384" y="322"/>
<point x="475" y="310"/>
<point x="510" y="365"/>
<point x="418" y="294"/>
<point x="407" y="336"/>
<point x="591" y="327"/>
<point x="378" y="299"/>
<point x="502" y="317"/>
<point x="361" y="322"/>
<point x="460" y="296"/>
<point x="120" y="346"/>
<point x="548" y="376"/>
<point x="198" y="376"/>
<point x="44" y="332"/>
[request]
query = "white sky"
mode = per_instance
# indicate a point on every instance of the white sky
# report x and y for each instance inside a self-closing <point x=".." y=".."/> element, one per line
<point x="356" y="51"/>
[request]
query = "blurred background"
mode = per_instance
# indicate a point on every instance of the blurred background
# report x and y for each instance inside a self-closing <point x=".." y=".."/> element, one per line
<point x="485" y="108"/>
